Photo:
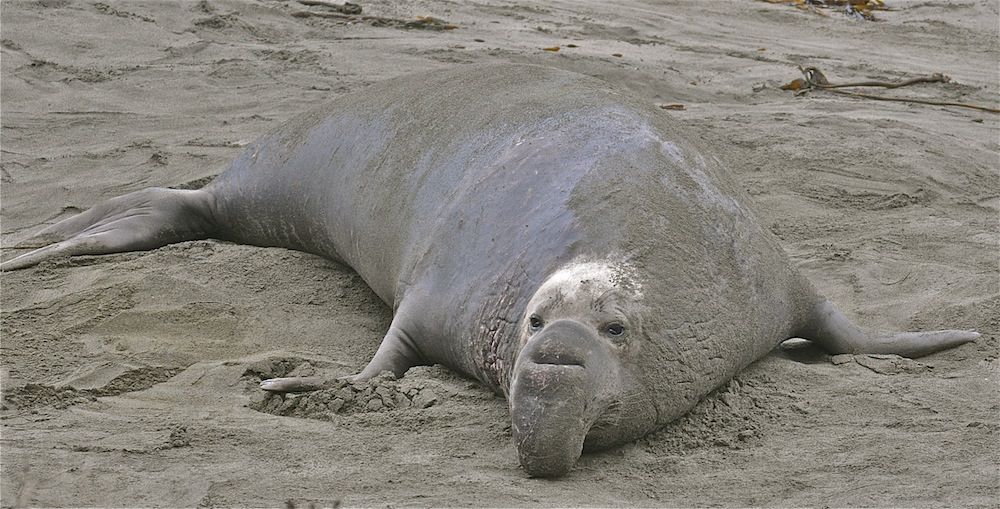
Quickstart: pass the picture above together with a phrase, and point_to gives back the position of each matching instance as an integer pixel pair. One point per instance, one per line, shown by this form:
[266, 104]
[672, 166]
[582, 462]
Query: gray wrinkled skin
[535, 229]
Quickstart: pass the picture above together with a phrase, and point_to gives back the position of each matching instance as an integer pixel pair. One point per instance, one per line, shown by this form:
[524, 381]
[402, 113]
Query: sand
[130, 379]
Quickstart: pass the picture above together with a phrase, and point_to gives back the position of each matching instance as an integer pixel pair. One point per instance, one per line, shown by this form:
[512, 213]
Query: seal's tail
[137, 221]
[828, 327]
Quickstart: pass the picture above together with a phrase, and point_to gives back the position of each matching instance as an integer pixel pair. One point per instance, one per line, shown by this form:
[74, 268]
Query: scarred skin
[535, 229]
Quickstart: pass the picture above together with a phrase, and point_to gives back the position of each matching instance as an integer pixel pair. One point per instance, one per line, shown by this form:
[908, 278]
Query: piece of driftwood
[817, 79]
[419, 23]
[814, 79]
[345, 8]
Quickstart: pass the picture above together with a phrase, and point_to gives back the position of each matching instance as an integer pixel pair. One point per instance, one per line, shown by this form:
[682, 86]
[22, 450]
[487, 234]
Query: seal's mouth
[556, 395]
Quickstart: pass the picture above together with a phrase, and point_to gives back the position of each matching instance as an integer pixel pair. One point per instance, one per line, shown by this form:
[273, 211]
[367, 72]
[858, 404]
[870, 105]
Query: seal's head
[575, 382]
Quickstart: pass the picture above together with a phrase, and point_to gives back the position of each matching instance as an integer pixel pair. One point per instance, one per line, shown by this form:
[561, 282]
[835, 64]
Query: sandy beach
[131, 379]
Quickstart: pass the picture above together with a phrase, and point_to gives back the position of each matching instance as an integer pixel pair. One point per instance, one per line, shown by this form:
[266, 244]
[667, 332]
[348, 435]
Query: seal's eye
[615, 329]
[535, 322]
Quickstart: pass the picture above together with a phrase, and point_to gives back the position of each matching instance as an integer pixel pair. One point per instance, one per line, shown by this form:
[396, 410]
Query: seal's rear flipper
[137, 221]
[833, 331]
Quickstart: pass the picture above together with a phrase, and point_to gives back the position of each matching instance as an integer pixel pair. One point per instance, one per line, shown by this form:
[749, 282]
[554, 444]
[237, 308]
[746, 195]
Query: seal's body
[532, 228]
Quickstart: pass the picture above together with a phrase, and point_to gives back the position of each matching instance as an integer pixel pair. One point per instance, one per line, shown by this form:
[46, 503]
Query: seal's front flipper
[138, 221]
[829, 328]
[397, 353]
[294, 384]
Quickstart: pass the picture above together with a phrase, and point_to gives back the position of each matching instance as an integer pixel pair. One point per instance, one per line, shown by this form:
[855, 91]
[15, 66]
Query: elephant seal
[535, 229]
